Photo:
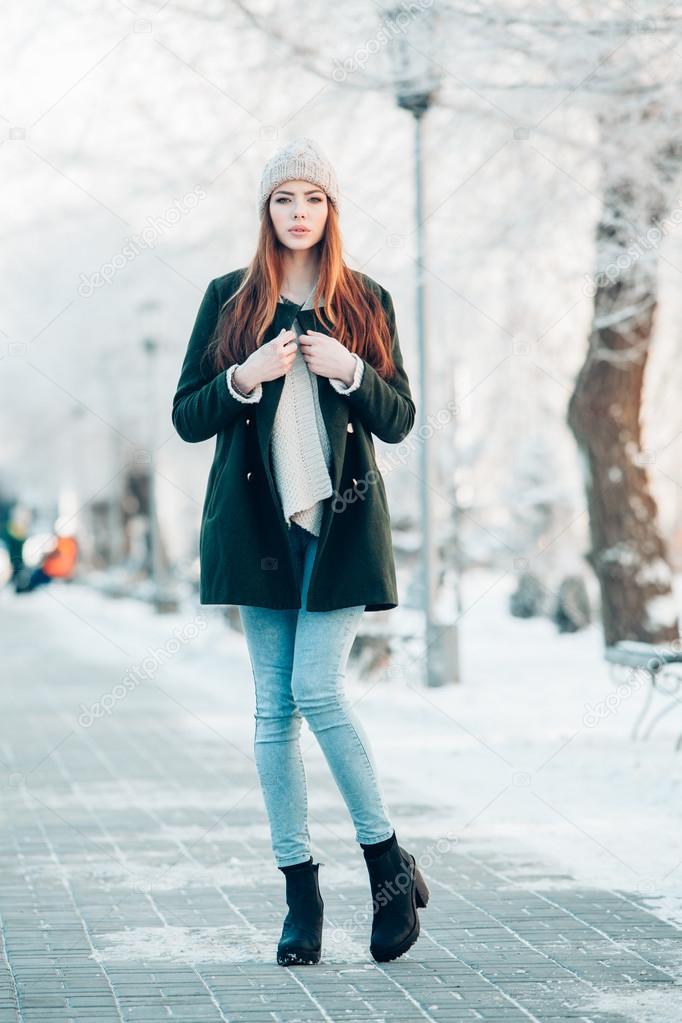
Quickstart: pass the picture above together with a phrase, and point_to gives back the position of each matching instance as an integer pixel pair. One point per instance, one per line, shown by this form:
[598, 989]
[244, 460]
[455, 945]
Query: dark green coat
[244, 548]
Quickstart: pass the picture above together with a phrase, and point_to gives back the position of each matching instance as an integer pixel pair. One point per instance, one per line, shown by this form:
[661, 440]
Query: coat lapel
[272, 390]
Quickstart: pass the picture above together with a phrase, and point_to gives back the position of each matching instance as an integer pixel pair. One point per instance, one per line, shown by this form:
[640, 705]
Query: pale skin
[295, 203]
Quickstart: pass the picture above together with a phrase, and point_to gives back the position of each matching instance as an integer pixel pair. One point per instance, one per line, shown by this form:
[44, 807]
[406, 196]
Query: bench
[662, 669]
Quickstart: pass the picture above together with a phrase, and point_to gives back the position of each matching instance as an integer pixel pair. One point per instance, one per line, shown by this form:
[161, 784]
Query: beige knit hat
[301, 158]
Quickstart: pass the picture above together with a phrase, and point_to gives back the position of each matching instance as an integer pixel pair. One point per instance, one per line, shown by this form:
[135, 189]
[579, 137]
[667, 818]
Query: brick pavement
[137, 883]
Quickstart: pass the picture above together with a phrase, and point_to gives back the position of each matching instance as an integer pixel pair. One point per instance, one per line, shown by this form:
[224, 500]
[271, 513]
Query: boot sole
[420, 898]
[294, 958]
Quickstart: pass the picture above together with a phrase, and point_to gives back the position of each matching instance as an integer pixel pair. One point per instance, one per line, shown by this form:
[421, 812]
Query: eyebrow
[285, 191]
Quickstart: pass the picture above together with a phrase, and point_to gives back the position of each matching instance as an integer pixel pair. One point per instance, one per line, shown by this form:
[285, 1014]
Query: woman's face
[302, 205]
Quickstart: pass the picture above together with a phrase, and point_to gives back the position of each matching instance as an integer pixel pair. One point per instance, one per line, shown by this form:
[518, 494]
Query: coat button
[249, 475]
[349, 428]
[355, 482]
[248, 421]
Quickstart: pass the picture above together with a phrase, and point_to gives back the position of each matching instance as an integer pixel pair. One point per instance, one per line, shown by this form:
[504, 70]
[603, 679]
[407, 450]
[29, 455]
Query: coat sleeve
[386, 408]
[203, 404]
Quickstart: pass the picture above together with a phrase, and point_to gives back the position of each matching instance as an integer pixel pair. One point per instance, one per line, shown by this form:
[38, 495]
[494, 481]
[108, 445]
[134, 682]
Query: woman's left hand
[327, 356]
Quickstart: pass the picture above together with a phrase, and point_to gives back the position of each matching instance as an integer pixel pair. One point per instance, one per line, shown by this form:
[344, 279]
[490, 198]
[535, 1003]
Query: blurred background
[549, 226]
[549, 223]
[512, 174]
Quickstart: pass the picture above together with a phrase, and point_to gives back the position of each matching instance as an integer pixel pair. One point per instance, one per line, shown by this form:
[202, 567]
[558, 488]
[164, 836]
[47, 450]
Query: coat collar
[333, 407]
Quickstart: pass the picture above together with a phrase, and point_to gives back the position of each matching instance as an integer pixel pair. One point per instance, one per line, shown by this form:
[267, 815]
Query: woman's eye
[284, 198]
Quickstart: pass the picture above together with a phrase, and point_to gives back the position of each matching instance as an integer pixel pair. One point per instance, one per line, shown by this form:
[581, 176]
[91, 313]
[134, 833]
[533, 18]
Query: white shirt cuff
[342, 388]
[256, 394]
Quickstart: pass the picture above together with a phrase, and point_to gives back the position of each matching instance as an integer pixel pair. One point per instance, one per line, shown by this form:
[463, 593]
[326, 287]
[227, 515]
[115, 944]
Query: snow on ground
[511, 759]
[235, 944]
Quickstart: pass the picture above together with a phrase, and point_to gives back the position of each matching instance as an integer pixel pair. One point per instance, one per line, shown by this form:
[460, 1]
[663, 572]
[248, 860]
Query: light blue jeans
[299, 659]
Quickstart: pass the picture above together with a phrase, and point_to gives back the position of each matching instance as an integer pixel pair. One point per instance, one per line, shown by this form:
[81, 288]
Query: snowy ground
[136, 814]
[511, 758]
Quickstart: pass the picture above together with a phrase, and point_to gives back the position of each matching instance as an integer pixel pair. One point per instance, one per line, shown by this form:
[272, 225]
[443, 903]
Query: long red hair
[352, 311]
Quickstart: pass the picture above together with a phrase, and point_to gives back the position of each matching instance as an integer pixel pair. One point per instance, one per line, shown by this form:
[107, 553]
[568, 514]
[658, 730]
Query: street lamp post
[163, 598]
[416, 80]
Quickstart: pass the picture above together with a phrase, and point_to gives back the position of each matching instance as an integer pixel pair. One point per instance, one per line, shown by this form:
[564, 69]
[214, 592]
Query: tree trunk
[627, 552]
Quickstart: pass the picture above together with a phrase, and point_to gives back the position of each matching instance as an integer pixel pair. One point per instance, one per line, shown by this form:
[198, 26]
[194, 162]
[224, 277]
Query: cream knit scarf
[300, 448]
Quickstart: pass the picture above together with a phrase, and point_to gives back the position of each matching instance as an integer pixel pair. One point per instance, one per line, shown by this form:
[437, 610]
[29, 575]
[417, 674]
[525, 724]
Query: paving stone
[121, 897]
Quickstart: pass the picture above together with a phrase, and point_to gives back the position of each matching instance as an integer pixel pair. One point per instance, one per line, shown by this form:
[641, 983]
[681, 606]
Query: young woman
[293, 363]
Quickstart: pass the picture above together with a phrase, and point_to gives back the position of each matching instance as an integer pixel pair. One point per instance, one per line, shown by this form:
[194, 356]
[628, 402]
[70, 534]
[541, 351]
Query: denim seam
[305, 788]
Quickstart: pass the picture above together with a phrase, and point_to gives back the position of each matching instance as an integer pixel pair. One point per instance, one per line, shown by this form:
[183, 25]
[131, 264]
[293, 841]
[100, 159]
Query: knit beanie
[302, 159]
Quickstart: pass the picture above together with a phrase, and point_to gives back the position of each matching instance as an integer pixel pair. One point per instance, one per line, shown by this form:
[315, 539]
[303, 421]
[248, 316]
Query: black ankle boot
[301, 938]
[398, 889]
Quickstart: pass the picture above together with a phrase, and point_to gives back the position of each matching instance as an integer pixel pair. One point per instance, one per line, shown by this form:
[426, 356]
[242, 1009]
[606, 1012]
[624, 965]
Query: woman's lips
[299, 230]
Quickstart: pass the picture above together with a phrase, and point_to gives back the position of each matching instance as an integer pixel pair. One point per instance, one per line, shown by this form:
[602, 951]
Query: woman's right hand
[271, 360]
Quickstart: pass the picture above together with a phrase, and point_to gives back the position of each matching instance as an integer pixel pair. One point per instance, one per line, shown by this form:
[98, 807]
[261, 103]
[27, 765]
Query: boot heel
[422, 893]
